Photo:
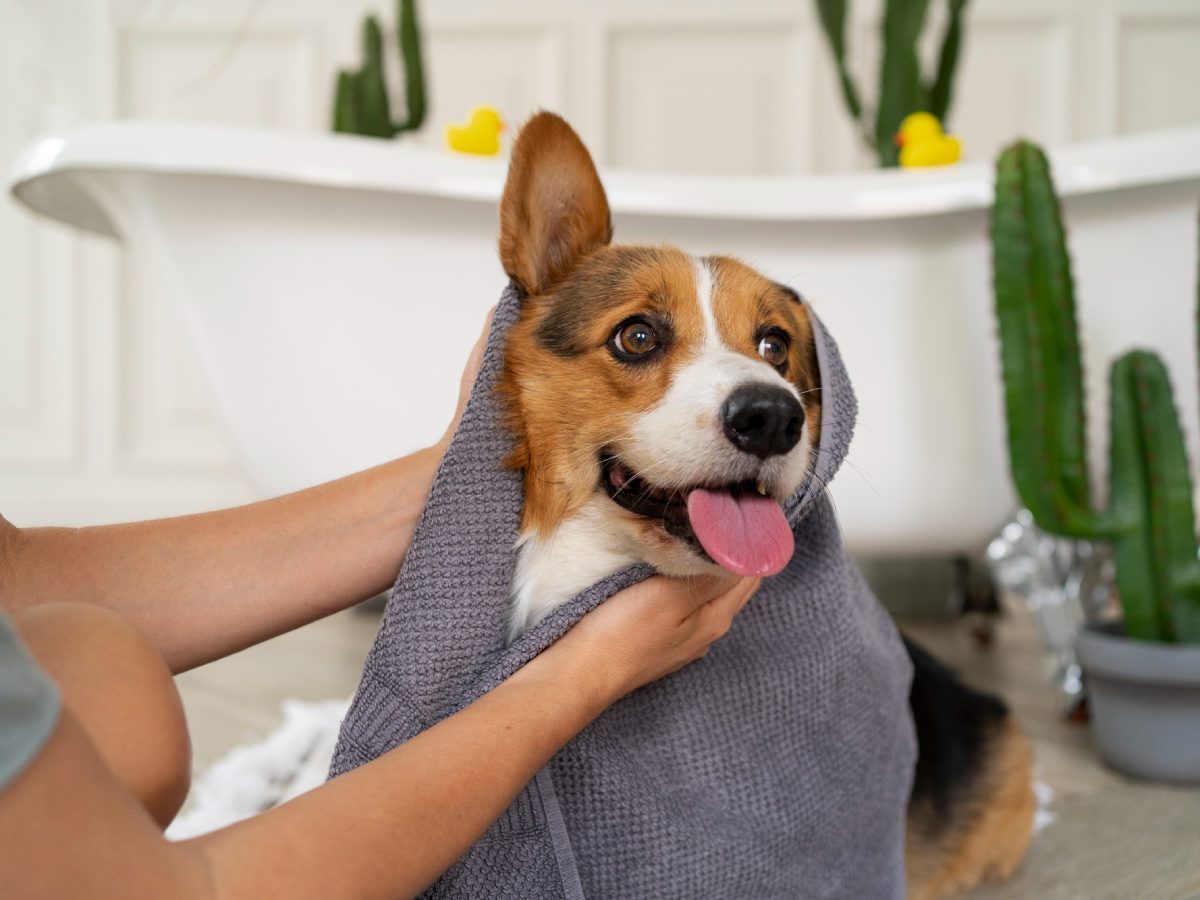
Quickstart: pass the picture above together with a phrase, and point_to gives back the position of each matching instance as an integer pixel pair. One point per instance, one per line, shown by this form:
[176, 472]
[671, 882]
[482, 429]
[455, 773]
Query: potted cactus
[361, 103]
[1144, 670]
[902, 88]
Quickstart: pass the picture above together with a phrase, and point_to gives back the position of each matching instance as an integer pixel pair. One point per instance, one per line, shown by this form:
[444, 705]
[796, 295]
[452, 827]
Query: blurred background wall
[103, 414]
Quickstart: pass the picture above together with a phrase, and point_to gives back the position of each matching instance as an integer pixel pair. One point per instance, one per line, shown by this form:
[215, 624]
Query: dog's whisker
[867, 481]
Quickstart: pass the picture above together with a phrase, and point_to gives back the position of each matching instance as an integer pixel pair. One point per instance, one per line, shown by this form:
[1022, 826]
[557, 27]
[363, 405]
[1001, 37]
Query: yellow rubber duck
[922, 142]
[481, 134]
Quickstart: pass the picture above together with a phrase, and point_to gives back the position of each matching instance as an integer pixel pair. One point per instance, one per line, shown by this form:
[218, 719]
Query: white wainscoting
[103, 413]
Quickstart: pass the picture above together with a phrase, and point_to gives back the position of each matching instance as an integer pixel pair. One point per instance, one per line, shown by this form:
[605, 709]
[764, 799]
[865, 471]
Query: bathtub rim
[45, 174]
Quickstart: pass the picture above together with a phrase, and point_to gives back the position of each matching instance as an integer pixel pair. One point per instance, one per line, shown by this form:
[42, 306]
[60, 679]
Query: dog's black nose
[762, 419]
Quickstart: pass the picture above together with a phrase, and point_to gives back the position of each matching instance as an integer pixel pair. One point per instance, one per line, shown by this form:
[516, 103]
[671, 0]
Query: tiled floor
[1113, 839]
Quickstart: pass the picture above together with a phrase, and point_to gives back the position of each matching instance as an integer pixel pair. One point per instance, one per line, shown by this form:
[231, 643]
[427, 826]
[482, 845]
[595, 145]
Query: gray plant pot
[1145, 703]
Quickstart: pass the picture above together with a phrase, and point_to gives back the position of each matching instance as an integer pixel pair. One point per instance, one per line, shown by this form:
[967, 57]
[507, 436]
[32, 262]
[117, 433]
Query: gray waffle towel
[779, 765]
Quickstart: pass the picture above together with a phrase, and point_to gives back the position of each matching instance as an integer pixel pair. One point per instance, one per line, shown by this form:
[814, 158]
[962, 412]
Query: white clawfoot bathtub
[333, 285]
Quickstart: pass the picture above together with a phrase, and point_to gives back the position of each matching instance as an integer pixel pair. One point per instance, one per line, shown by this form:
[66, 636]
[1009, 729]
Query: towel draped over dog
[778, 765]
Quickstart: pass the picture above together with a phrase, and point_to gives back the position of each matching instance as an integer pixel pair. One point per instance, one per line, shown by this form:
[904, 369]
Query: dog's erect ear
[553, 212]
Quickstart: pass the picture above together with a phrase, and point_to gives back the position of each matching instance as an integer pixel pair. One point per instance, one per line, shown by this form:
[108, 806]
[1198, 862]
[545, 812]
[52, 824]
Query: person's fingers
[693, 593]
[730, 603]
[743, 592]
[474, 360]
[722, 592]
[713, 619]
[470, 372]
[476, 356]
[657, 626]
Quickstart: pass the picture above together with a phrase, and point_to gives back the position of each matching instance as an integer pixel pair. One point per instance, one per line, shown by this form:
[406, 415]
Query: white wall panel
[513, 67]
[1014, 81]
[721, 97]
[839, 142]
[252, 79]
[1159, 72]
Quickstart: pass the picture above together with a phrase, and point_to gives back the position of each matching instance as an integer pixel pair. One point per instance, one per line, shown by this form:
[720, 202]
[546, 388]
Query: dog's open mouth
[735, 525]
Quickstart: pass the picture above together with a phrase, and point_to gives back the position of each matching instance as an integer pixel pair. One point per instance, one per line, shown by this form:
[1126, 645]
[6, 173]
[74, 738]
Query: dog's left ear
[553, 212]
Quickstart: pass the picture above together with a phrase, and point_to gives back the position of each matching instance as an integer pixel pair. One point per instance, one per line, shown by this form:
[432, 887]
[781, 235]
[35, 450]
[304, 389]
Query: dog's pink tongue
[747, 535]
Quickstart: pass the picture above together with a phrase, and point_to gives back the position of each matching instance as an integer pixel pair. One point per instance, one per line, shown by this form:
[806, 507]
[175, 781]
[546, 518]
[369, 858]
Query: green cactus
[345, 105]
[361, 103]
[902, 88]
[414, 68]
[1150, 521]
[373, 106]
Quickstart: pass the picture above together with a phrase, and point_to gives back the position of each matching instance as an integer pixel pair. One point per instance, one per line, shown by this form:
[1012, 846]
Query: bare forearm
[207, 585]
[385, 830]
[416, 809]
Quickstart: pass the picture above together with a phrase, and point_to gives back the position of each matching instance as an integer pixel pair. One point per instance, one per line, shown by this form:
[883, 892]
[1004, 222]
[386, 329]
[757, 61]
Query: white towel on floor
[255, 777]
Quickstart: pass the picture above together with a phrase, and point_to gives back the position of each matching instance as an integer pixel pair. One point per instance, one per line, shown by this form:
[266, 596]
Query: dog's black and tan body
[970, 816]
[642, 383]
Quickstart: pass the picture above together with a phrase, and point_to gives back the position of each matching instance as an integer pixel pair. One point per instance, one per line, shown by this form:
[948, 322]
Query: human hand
[470, 372]
[647, 631]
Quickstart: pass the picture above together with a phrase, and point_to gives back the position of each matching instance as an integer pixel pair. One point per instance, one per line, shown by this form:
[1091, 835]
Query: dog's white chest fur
[592, 544]
[582, 550]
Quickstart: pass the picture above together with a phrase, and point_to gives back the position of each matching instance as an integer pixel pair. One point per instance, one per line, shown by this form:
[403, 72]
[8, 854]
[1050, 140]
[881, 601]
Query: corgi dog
[663, 407]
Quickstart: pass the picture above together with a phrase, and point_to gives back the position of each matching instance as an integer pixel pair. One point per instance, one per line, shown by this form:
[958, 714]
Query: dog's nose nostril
[762, 419]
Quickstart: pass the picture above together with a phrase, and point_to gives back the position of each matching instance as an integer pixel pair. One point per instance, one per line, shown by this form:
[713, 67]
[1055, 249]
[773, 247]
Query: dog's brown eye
[773, 347]
[636, 338]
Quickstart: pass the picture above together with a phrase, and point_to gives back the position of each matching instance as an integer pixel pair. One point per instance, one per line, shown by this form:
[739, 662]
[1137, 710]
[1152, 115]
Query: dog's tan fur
[745, 298]
[557, 452]
[554, 210]
[987, 833]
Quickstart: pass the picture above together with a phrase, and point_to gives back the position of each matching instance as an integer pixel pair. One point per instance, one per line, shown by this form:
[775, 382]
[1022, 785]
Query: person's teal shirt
[29, 706]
